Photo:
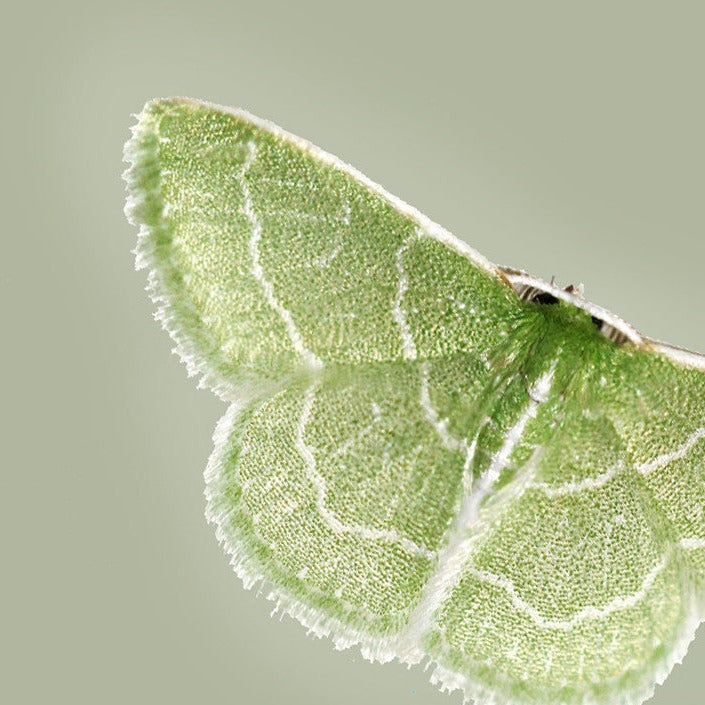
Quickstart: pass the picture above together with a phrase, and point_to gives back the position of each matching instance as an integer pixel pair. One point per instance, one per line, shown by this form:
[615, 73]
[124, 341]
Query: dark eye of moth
[545, 299]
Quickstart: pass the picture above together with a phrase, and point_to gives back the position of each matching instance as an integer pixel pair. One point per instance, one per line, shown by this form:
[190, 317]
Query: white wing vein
[256, 234]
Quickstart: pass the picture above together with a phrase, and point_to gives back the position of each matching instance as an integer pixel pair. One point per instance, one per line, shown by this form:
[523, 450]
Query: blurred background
[563, 138]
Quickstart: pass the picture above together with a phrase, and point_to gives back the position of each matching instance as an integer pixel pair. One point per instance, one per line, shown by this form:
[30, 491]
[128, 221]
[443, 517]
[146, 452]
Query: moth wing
[356, 339]
[378, 370]
[268, 257]
[587, 581]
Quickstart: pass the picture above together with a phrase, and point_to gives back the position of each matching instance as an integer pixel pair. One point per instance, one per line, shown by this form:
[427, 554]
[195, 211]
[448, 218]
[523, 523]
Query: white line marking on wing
[318, 482]
[410, 353]
[691, 544]
[677, 454]
[249, 211]
[601, 480]
[408, 345]
[441, 427]
[315, 217]
[431, 413]
[454, 556]
[577, 486]
[425, 224]
[589, 613]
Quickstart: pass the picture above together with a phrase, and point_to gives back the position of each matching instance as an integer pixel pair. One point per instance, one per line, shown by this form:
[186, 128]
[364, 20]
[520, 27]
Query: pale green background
[563, 138]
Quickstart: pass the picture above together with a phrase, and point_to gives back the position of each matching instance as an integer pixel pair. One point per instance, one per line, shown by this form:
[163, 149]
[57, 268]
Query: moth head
[543, 293]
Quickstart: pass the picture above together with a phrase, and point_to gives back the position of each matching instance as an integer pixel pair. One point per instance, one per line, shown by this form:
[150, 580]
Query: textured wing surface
[416, 461]
[338, 492]
[370, 351]
[586, 585]
[342, 491]
[268, 256]
[660, 412]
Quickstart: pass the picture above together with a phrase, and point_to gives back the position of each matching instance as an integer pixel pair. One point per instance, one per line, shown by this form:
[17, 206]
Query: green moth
[425, 455]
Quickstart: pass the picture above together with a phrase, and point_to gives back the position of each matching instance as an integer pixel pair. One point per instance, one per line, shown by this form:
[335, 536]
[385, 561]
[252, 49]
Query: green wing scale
[415, 460]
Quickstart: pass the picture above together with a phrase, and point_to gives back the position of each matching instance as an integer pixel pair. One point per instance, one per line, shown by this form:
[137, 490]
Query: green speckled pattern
[415, 461]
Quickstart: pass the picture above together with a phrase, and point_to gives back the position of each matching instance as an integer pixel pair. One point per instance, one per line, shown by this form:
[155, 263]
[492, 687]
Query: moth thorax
[548, 294]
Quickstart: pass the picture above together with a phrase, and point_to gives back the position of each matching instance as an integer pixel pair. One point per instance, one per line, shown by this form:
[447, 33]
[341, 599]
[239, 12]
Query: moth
[424, 455]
